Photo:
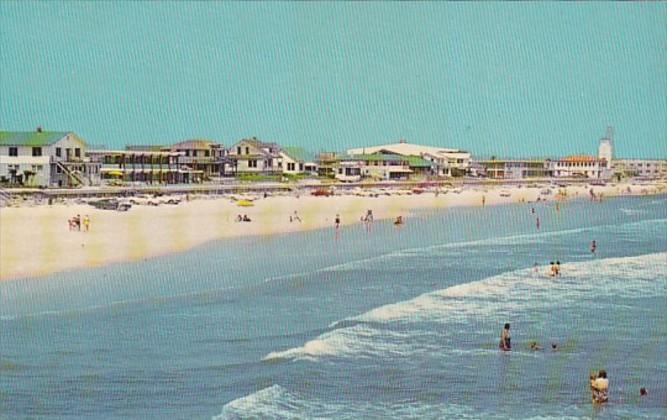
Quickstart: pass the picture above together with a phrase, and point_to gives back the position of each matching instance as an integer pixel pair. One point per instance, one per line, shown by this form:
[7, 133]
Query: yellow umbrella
[115, 173]
[244, 203]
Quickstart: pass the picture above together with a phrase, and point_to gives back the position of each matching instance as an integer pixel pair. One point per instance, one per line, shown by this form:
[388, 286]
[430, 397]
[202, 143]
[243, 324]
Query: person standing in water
[538, 223]
[505, 339]
[594, 247]
[600, 387]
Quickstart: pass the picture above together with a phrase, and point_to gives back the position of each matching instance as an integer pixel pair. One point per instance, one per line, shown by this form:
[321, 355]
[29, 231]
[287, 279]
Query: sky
[504, 79]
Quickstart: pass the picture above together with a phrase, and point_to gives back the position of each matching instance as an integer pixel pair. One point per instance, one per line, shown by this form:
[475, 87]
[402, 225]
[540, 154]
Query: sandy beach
[35, 241]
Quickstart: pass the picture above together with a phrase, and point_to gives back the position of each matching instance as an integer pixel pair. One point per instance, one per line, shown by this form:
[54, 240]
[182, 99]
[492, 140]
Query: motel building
[642, 168]
[513, 168]
[45, 159]
[145, 166]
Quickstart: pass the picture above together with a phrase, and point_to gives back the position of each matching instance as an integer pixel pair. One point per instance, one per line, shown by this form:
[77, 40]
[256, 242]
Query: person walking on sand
[86, 223]
[295, 217]
[337, 222]
[483, 200]
[505, 339]
[77, 219]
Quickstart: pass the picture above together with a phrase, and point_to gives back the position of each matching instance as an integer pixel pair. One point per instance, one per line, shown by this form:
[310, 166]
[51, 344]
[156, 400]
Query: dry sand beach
[35, 241]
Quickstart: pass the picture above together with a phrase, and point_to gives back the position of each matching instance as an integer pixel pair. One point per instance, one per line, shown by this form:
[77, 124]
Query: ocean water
[391, 323]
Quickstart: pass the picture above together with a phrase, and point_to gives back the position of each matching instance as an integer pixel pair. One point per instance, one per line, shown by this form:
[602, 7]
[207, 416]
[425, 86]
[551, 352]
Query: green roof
[298, 154]
[418, 162]
[30, 138]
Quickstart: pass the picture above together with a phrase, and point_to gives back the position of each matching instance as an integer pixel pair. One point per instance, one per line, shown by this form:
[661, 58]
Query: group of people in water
[76, 222]
[599, 383]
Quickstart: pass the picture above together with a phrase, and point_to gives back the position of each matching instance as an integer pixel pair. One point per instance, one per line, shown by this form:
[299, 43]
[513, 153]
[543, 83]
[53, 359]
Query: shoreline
[36, 241]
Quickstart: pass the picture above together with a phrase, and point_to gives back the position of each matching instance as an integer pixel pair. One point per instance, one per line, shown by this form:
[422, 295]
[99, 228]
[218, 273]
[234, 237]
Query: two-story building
[513, 168]
[444, 162]
[46, 159]
[579, 166]
[203, 155]
[255, 156]
[144, 166]
[643, 168]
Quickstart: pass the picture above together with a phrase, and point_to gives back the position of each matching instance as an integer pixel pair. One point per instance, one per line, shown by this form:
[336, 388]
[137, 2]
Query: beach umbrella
[244, 203]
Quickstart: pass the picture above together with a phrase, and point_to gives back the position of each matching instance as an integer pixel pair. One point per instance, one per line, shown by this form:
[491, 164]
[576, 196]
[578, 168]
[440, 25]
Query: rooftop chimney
[39, 129]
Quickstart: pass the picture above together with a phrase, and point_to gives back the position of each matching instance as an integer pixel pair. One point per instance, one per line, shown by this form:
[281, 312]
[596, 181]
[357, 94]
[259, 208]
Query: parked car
[321, 192]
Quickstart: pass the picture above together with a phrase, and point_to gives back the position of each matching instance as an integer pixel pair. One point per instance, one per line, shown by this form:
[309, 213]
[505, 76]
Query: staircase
[73, 175]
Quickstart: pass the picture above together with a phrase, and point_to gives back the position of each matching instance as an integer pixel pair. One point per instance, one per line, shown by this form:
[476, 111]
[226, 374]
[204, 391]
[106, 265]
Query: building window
[13, 151]
[59, 169]
[252, 163]
[37, 151]
[77, 152]
[301, 166]
[238, 150]
[247, 150]
[290, 166]
[58, 152]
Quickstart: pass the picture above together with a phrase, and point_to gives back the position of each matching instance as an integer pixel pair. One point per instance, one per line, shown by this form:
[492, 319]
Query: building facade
[579, 166]
[513, 168]
[46, 159]
[147, 166]
[255, 156]
[296, 160]
[643, 168]
[445, 162]
[203, 155]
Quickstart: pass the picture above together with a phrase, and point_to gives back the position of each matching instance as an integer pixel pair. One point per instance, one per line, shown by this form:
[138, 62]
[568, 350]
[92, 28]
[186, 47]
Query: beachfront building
[444, 162]
[296, 161]
[143, 166]
[512, 168]
[255, 157]
[348, 170]
[382, 167]
[203, 155]
[643, 168]
[45, 159]
[579, 166]
[327, 164]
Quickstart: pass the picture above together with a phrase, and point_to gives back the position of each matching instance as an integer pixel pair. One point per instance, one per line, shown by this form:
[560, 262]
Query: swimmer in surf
[505, 339]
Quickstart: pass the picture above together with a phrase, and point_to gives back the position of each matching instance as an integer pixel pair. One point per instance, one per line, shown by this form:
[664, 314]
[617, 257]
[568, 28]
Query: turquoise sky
[516, 79]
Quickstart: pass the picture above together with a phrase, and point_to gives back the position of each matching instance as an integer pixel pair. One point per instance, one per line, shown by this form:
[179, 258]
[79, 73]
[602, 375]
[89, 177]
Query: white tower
[606, 147]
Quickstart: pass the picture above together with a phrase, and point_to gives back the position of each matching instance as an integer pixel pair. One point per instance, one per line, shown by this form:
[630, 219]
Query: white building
[255, 156]
[296, 160]
[348, 170]
[45, 159]
[644, 168]
[578, 166]
[446, 162]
